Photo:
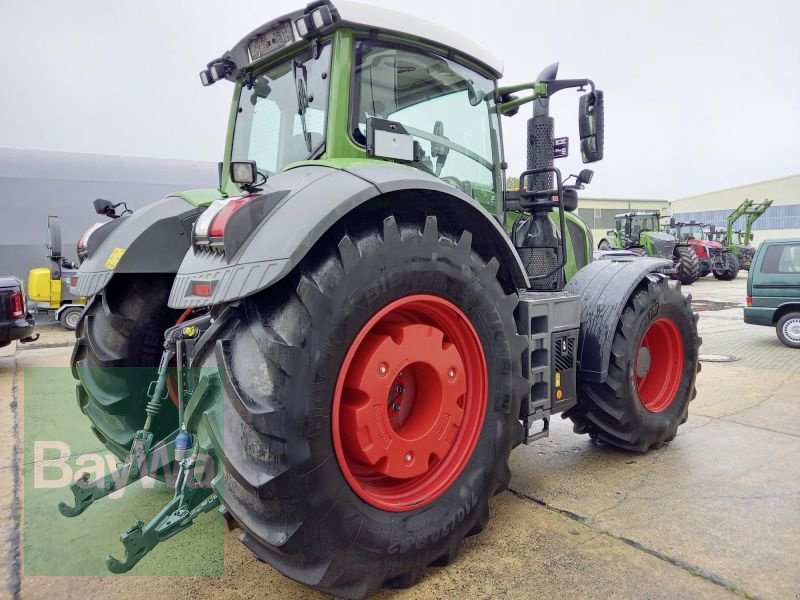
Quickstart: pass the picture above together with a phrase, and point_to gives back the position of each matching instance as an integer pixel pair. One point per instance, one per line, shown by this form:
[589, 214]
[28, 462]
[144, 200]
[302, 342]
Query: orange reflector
[201, 288]
[749, 301]
[559, 394]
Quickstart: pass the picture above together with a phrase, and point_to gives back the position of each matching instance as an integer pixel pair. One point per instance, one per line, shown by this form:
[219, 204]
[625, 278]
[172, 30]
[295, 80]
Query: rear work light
[16, 305]
[209, 229]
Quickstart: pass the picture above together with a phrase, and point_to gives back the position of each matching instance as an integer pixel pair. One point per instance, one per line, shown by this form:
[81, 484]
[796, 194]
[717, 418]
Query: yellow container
[39, 287]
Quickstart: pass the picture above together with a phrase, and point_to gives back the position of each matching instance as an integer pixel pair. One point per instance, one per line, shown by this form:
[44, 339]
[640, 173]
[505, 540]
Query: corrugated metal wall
[782, 219]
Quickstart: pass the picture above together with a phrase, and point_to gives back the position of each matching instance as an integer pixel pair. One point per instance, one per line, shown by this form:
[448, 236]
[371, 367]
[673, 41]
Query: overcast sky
[700, 95]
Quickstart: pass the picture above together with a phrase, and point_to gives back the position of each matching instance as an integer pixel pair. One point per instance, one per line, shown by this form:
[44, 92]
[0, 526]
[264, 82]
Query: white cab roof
[383, 18]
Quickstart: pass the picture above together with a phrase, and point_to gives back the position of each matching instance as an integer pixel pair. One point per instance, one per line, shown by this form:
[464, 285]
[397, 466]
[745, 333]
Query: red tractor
[713, 256]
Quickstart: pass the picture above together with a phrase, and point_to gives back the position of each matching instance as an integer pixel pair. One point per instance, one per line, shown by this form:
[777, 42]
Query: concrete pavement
[715, 514]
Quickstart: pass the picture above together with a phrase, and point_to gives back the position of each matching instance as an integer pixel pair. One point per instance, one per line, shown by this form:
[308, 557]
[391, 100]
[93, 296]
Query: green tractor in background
[738, 241]
[342, 342]
[640, 232]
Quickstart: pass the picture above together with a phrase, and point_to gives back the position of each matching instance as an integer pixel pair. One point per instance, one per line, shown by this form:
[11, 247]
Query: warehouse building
[782, 219]
[35, 184]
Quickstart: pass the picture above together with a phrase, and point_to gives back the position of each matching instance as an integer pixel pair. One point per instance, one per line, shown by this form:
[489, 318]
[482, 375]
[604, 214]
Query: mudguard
[295, 209]
[604, 287]
[154, 239]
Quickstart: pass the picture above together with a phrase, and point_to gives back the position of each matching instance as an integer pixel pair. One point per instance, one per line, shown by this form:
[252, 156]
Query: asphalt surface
[714, 514]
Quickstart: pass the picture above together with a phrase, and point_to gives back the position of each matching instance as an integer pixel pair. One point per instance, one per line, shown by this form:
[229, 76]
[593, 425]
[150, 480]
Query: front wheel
[788, 329]
[730, 269]
[371, 400]
[687, 265]
[651, 375]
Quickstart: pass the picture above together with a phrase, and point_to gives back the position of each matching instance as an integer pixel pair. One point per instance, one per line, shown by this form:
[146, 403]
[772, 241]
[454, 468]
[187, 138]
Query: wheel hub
[658, 364]
[422, 377]
[791, 329]
[410, 403]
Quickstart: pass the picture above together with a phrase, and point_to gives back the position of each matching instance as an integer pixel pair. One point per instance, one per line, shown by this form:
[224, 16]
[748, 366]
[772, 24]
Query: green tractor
[339, 347]
[640, 232]
[738, 241]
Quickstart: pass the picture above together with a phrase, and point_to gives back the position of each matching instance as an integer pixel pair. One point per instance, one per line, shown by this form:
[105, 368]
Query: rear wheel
[651, 375]
[371, 400]
[687, 264]
[788, 329]
[70, 317]
[731, 268]
[116, 356]
[604, 245]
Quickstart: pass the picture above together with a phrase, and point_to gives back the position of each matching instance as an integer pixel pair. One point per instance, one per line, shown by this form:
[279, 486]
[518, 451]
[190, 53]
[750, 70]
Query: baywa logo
[94, 505]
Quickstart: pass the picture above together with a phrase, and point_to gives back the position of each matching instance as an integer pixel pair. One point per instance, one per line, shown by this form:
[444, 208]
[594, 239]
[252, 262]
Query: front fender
[154, 239]
[604, 287]
[309, 200]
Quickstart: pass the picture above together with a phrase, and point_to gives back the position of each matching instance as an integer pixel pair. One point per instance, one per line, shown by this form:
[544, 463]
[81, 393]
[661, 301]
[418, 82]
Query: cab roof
[353, 14]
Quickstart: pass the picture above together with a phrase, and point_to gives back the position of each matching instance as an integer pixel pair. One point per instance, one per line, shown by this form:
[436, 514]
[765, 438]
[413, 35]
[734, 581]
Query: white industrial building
[782, 219]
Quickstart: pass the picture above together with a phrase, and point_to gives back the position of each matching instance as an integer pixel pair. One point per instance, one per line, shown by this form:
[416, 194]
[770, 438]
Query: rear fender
[302, 205]
[604, 287]
[154, 239]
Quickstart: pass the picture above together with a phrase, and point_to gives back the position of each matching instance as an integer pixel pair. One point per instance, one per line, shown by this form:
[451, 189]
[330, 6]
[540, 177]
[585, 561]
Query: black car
[16, 323]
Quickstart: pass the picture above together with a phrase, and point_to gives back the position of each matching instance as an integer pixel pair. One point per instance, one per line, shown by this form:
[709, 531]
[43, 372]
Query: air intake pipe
[540, 135]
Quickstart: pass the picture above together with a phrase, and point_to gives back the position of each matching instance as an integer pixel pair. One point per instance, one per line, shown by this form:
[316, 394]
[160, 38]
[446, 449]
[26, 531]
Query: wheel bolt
[409, 457]
[382, 369]
[396, 407]
[400, 389]
[451, 373]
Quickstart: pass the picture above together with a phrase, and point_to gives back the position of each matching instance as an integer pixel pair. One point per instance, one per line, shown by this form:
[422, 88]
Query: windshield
[282, 113]
[689, 231]
[444, 105]
[639, 223]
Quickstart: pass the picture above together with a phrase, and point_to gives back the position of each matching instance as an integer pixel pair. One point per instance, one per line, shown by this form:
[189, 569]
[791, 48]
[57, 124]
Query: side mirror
[585, 176]
[590, 126]
[439, 150]
[672, 222]
[752, 237]
[244, 172]
[105, 207]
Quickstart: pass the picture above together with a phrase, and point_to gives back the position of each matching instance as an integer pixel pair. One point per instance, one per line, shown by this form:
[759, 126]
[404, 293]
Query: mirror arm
[563, 84]
[539, 90]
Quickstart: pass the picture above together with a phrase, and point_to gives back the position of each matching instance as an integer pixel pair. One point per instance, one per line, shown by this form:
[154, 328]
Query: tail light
[16, 305]
[209, 229]
[83, 242]
[749, 301]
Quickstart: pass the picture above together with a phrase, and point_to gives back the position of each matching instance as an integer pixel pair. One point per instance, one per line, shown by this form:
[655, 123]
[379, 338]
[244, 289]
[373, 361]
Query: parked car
[16, 323]
[773, 289]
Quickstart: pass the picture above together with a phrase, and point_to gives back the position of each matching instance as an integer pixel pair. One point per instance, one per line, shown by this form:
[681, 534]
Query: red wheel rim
[410, 402]
[658, 366]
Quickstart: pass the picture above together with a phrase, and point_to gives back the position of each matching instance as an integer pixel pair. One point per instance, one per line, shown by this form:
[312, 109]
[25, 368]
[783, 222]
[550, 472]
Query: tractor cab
[345, 86]
[334, 83]
[684, 232]
[631, 225]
